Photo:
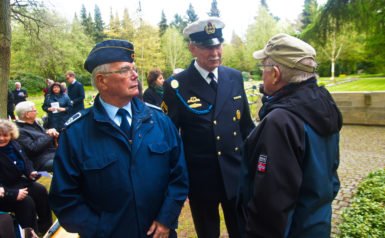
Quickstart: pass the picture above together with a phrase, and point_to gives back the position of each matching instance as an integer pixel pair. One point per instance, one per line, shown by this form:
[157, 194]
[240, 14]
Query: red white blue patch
[262, 160]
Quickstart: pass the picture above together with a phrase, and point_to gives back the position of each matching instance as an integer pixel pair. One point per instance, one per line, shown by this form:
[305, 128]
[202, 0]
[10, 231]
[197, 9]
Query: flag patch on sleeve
[262, 160]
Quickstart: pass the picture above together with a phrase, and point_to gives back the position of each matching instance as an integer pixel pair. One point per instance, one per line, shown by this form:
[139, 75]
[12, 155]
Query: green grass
[364, 84]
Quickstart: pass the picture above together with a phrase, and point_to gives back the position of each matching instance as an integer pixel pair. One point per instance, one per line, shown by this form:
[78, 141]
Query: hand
[23, 192]
[34, 175]
[2, 191]
[159, 230]
[53, 133]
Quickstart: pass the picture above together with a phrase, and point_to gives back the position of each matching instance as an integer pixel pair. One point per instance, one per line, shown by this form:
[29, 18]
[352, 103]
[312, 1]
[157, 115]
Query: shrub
[32, 83]
[366, 215]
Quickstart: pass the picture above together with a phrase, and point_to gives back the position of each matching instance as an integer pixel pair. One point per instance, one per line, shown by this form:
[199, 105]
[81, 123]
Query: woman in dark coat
[154, 92]
[22, 194]
[57, 104]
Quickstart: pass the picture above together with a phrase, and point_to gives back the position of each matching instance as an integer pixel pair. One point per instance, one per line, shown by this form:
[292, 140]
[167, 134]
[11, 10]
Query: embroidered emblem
[164, 107]
[174, 84]
[210, 28]
[73, 118]
[262, 161]
[193, 100]
[237, 97]
[238, 114]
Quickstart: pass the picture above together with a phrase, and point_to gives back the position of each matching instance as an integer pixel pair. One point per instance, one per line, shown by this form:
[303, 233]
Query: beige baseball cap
[287, 50]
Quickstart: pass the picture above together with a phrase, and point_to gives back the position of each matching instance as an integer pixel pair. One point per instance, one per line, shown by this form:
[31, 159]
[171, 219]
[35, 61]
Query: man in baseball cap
[292, 156]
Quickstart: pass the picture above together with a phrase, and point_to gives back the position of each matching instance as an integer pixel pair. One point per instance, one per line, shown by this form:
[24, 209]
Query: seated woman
[22, 194]
[38, 143]
[154, 92]
[57, 104]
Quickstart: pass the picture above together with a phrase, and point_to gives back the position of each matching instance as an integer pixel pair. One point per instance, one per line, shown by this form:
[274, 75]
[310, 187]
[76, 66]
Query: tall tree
[191, 15]
[214, 11]
[114, 30]
[128, 30]
[26, 12]
[264, 4]
[99, 25]
[174, 49]
[86, 21]
[162, 24]
[178, 23]
[309, 12]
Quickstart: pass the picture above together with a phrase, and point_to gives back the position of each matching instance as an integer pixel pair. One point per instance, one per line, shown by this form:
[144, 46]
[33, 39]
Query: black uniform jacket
[77, 95]
[213, 127]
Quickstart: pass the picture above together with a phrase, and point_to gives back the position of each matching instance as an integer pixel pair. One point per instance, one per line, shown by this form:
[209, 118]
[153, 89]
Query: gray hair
[98, 69]
[292, 75]
[8, 127]
[23, 107]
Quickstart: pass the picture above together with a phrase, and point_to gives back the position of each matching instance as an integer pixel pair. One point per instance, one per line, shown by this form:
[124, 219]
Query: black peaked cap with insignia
[109, 51]
[205, 32]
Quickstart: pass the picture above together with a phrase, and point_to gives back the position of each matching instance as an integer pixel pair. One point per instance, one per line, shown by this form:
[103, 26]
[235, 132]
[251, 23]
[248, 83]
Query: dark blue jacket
[107, 186]
[57, 120]
[213, 128]
[76, 93]
[290, 165]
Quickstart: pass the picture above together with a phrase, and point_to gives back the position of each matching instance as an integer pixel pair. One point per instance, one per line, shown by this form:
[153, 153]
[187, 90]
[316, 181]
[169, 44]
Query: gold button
[218, 137]
[234, 119]
[235, 133]
[215, 122]
[236, 149]
[219, 153]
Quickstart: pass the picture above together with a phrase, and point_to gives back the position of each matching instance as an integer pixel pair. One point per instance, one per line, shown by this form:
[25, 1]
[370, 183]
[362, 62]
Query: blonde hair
[8, 127]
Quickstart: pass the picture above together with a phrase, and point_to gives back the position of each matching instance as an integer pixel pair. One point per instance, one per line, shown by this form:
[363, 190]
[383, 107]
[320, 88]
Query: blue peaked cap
[109, 51]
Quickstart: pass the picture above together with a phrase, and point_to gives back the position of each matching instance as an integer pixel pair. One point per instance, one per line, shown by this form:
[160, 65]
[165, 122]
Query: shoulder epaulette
[75, 117]
[153, 106]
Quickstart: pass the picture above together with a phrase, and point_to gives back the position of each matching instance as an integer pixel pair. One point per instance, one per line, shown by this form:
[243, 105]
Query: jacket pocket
[159, 148]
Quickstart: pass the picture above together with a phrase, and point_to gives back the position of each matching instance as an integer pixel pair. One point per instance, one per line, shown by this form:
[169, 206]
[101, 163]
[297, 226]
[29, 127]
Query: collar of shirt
[112, 110]
[205, 73]
[73, 82]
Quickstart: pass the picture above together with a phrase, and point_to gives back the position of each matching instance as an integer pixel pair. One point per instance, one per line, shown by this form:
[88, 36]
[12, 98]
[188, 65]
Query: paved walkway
[362, 150]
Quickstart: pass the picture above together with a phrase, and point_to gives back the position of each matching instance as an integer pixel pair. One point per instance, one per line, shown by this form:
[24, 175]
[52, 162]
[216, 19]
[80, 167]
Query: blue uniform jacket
[290, 165]
[213, 128]
[107, 186]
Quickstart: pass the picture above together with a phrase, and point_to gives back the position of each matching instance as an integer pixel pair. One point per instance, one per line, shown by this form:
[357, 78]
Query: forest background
[38, 43]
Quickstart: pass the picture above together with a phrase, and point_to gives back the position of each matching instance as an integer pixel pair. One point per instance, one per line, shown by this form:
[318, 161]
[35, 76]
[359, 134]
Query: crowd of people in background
[191, 135]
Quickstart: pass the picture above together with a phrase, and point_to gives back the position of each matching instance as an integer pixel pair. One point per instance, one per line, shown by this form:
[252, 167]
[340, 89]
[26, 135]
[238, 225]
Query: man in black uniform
[75, 92]
[207, 102]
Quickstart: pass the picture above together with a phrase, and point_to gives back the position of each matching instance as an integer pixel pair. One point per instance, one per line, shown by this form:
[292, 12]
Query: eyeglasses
[125, 71]
[262, 66]
[33, 110]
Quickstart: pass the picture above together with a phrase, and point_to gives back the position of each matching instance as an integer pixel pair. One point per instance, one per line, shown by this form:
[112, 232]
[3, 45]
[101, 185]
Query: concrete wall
[363, 108]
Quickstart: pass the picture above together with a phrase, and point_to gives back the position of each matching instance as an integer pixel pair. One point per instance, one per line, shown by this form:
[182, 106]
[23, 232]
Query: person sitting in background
[22, 194]
[57, 104]
[38, 143]
[154, 92]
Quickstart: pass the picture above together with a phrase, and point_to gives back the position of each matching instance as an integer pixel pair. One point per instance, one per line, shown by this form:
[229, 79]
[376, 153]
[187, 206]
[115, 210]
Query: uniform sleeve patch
[262, 161]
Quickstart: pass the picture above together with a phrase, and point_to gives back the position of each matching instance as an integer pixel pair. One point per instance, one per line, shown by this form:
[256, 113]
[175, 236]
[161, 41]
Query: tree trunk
[5, 54]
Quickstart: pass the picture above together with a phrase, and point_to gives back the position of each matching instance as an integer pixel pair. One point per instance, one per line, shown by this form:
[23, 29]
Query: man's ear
[276, 75]
[100, 81]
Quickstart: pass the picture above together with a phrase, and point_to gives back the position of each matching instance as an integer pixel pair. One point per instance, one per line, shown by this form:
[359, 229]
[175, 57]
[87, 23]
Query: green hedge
[32, 83]
[366, 215]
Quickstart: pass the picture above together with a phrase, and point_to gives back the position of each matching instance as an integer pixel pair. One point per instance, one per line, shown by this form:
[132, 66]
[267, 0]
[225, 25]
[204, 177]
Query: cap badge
[174, 84]
[210, 28]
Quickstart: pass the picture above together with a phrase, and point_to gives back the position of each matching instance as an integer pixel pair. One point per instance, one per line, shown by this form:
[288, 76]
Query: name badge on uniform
[237, 97]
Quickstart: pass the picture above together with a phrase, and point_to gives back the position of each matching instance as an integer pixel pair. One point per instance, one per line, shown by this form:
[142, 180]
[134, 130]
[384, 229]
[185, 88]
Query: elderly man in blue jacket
[119, 170]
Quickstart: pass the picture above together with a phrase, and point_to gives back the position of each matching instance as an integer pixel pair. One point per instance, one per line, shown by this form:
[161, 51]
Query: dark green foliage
[214, 11]
[162, 24]
[32, 83]
[366, 215]
[178, 23]
[99, 25]
[191, 15]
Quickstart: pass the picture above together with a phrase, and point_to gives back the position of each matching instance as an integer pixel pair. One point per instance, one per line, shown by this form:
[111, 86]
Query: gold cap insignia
[193, 100]
[174, 84]
[210, 28]
[238, 114]
[164, 107]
